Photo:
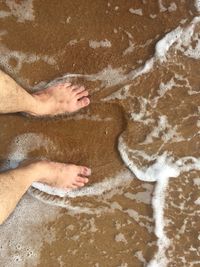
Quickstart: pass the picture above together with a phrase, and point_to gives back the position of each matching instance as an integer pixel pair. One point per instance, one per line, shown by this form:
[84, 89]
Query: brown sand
[117, 229]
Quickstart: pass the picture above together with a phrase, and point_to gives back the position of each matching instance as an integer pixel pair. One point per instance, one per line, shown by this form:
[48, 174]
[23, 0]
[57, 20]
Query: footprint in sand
[86, 138]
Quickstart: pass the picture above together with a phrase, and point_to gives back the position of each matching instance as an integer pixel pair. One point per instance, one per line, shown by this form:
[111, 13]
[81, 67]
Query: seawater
[154, 79]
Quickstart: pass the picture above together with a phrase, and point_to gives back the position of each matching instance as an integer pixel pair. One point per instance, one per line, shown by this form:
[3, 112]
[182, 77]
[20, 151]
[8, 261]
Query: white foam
[68, 20]
[194, 52]
[143, 114]
[130, 48]
[121, 94]
[97, 44]
[4, 14]
[21, 58]
[172, 7]
[197, 181]
[163, 46]
[139, 219]
[158, 203]
[93, 190]
[141, 197]
[23, 11]
[164, 166]
[197, 201]
[120, 238]
[163, 89]
[140, 257]
[164, 131]
[73, 42]
[161, 6]
[20, 244]
[138, 11]
[197, 5]
[124, 264]
[153, 16]
[22, 145]
[89, 117]
[189, 35]
[109, 76]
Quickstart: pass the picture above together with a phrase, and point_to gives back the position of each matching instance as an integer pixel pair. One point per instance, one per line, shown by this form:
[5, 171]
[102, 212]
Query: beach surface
[139, 61]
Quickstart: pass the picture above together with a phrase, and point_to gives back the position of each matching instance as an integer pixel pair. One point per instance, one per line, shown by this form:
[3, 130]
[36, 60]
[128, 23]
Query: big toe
[85, 101]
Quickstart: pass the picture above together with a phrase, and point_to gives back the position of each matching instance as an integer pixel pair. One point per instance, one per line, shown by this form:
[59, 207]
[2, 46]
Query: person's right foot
[60, 99]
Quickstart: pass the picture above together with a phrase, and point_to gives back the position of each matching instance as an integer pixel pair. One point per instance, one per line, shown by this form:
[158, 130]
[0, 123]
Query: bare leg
[14, 183]
[51, 101]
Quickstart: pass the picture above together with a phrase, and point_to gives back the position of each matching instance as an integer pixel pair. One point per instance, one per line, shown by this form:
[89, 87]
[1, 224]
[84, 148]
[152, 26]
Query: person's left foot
[60, 99]
[60, 175]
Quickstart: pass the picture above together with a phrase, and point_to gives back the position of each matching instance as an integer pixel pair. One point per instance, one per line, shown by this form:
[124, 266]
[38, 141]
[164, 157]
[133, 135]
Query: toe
[79, 89]
[83, 102]
[82, 94]
[84, 171]
[67, 84]
[73, 88]
[82, 179]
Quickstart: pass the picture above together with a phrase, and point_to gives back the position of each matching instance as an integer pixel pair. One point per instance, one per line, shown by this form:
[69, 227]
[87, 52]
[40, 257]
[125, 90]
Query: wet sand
[133, 114]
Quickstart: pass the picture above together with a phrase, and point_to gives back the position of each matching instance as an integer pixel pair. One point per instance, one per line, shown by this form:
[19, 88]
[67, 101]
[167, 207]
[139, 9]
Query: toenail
[87, 101]
[87, 171]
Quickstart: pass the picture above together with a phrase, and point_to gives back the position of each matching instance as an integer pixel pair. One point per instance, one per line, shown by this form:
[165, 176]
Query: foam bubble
[22, 145]
[138, 11]
[121, 94]
[120, 238]
[161, 6]
[197, 201]
[144, 197]
[24, 247]
[163, 166]
[130, 48]
[162, 47]
[20, 58]
[23, 11]
[140, 257]
[164, 131]
[197, 181]
[188, 36]
[197, 5]
[4, 14]
[97, 44]
[172, 7]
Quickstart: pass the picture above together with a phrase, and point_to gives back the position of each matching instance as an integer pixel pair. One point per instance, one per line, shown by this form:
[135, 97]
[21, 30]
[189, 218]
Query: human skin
[59, 99]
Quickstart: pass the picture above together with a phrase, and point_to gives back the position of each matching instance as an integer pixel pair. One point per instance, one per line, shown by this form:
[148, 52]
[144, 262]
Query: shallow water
[140, 62]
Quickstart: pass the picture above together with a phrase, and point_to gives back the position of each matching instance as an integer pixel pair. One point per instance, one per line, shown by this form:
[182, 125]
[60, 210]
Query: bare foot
[60, 99]
[66, 176]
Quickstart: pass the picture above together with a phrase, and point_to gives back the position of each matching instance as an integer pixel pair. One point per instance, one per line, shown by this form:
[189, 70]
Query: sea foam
[164, 166]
